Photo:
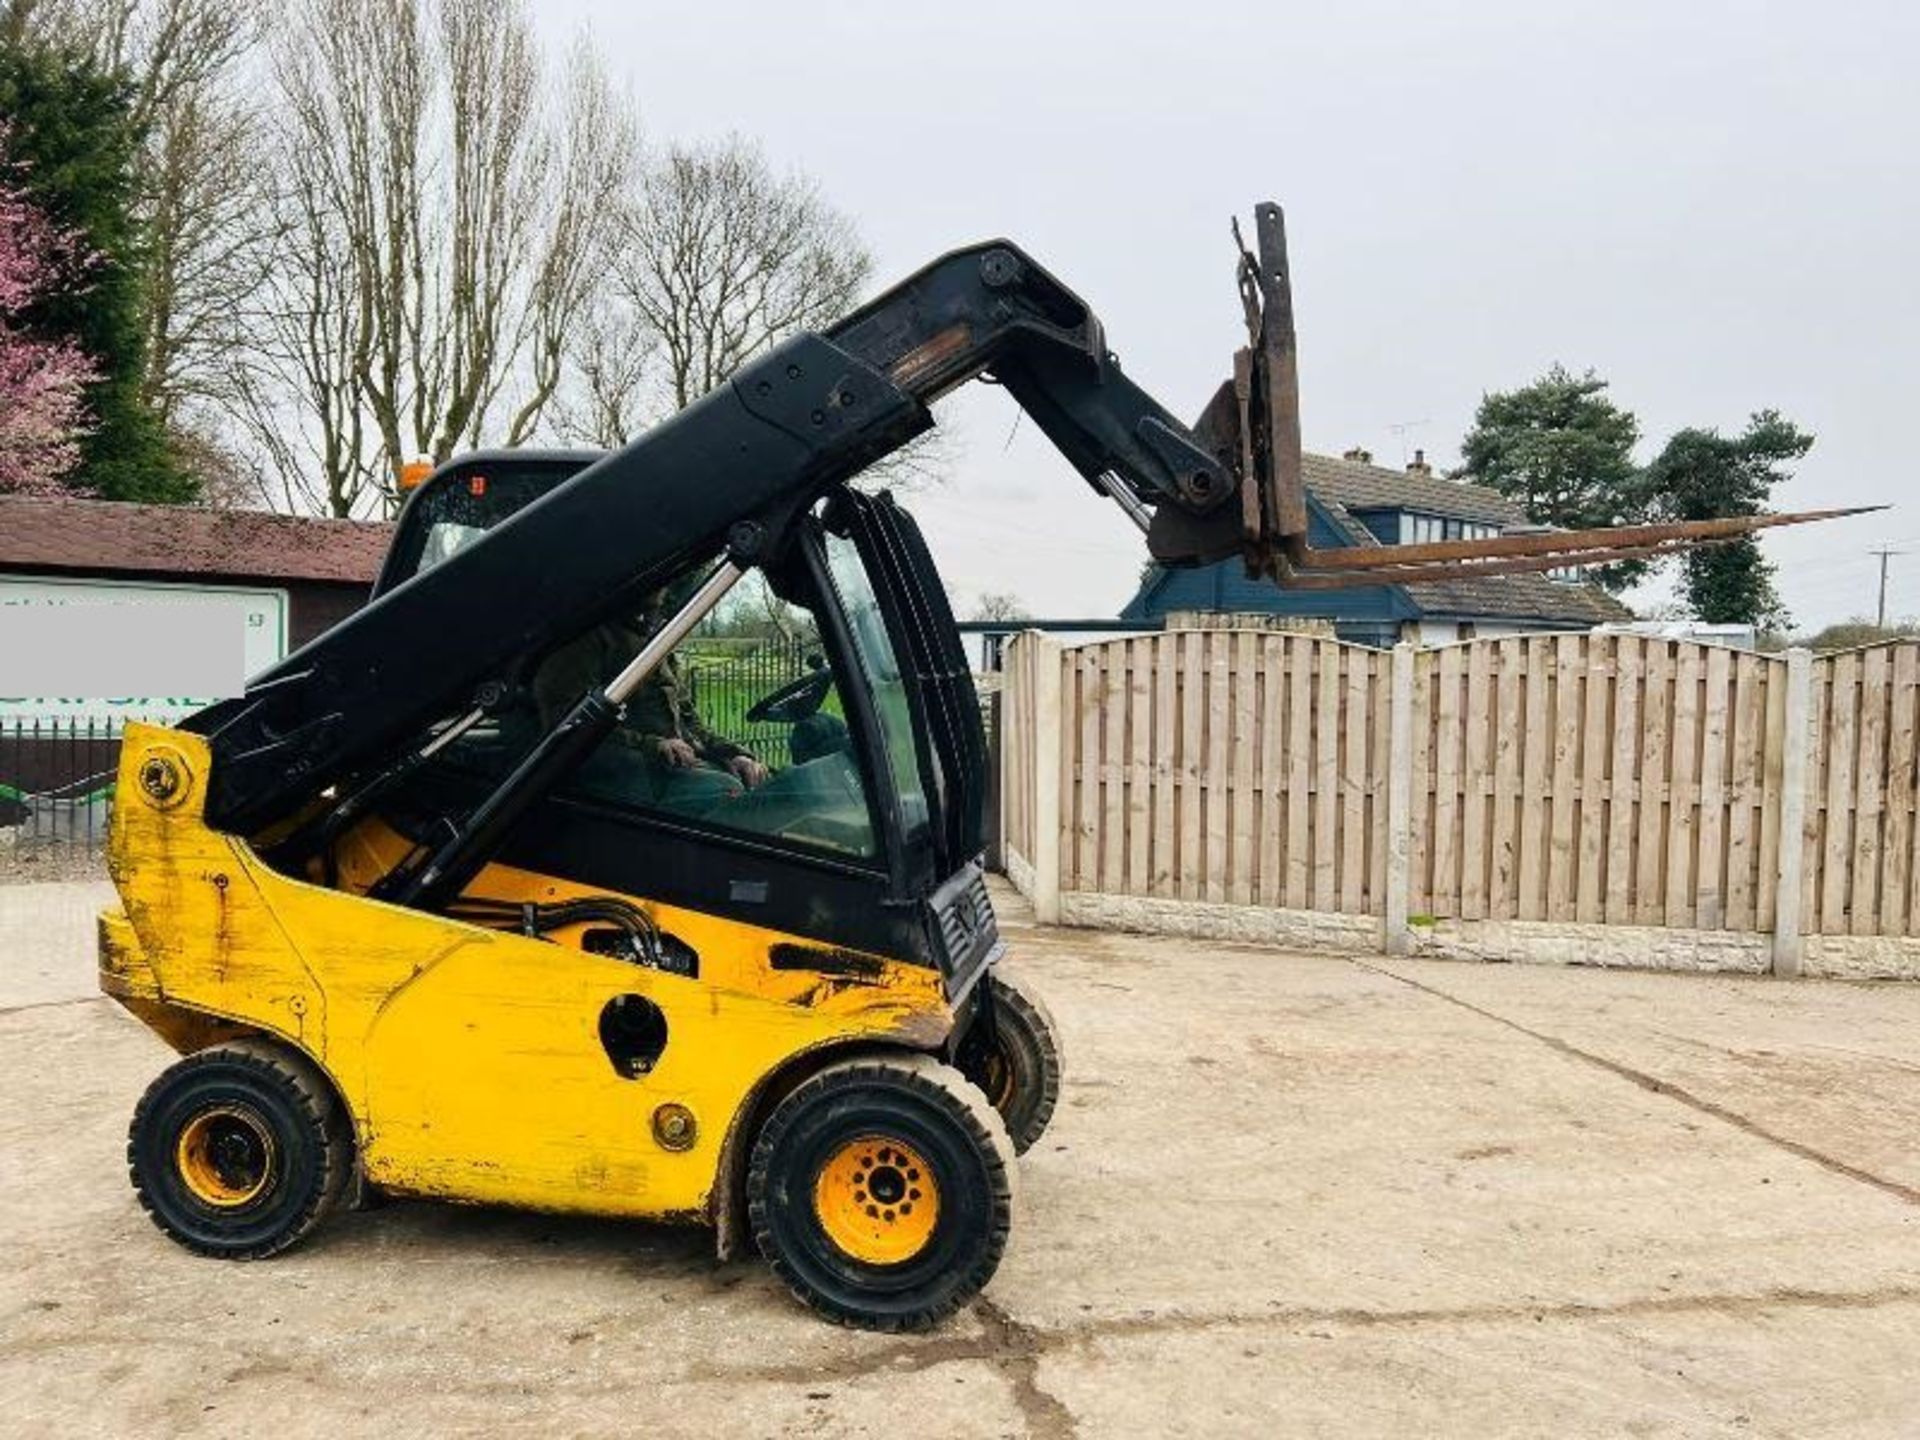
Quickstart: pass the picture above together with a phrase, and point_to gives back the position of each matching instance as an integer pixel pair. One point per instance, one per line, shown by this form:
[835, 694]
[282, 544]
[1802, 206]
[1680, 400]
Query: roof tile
[97, 537]
[1360, 486]
[1343, 486]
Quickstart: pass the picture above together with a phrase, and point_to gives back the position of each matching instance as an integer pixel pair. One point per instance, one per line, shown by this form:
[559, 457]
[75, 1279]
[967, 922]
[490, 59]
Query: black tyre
[881, 1191]
[238, 1151]
[1018, 1067]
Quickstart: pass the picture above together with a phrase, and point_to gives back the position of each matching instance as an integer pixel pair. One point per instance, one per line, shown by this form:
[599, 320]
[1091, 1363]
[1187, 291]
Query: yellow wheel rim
[877, 1200]
[225, 1156]
[996, 1077]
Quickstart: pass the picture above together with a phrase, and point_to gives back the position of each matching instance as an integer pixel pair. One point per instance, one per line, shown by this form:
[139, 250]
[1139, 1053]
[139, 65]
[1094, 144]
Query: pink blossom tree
[43, 404]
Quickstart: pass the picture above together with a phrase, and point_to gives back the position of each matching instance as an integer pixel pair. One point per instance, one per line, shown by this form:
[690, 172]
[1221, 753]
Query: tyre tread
[1010, 990]
[315, 1099]
[931, 1079]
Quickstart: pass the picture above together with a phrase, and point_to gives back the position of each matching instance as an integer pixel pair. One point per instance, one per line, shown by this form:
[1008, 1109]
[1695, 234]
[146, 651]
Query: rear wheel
[237, 1152]
[1018, 1066]
[881, 1191]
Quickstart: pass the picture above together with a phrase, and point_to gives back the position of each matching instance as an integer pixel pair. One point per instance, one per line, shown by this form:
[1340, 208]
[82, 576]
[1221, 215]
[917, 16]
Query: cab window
[880, 668]
[742, 728]
[459, 508]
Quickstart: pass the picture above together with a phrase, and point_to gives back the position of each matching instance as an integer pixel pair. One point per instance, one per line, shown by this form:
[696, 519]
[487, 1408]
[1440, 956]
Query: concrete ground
[1285, 1194]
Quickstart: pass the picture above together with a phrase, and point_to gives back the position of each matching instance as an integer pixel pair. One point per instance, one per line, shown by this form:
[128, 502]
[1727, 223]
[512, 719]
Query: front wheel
[237, 1152]
[1018, 1064]
[881, 1191]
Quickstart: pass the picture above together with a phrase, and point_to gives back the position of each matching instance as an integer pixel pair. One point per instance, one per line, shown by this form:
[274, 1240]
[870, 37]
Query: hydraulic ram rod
[445, 872]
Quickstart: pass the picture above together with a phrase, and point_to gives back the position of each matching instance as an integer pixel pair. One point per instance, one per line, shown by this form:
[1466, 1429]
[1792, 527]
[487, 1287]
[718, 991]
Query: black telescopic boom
[787, 429]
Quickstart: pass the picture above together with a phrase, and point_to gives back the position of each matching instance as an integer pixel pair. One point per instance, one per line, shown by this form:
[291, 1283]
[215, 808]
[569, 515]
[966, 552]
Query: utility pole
[1880, 615]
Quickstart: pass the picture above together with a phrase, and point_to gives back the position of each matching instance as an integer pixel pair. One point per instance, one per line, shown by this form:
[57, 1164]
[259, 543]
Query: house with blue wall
[1352, 501]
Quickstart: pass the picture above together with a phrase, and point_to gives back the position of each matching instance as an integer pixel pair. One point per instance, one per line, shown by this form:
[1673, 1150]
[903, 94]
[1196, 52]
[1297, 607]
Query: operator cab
[809, 758]
[465, 498]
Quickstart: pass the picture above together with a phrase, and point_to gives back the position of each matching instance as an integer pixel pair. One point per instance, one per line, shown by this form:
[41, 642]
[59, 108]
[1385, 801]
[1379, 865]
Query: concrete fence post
[1787, 941]
[1399, 876]
[1046, 780]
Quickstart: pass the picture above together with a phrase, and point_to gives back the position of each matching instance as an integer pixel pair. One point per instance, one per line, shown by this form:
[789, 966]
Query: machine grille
[964, 923]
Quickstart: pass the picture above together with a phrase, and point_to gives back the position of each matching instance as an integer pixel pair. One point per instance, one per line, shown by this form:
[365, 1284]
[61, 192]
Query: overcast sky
[1714, 205]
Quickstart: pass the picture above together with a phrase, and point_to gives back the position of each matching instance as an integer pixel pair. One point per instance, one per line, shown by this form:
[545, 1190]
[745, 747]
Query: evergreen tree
[1564, 452]
[70, 128]
[1701, 475]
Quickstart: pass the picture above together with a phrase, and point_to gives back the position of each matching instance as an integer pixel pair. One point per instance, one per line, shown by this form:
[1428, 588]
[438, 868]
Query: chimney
[1418, 464]
[1359, 455]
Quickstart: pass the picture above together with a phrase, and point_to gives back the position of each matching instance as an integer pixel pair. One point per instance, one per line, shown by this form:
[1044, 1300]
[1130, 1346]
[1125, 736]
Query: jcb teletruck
[464, 899]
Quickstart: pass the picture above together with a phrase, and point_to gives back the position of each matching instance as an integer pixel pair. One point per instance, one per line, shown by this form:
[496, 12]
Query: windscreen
[880, 668]
[456, 508]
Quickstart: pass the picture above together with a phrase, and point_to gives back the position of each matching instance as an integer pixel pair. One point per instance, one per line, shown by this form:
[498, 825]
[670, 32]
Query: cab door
[956, 911]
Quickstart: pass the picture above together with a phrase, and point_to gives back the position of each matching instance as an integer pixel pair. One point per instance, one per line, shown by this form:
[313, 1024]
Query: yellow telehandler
[468, 898]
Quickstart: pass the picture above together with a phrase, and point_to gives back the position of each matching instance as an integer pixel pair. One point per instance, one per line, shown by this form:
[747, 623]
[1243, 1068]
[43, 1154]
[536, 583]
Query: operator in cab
[661, 754]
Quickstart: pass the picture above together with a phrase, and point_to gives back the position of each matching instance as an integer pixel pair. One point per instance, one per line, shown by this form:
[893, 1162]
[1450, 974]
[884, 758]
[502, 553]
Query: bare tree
[294, 394]
[409, 240]
[447, 214]
[598, 155]
[210, 246]
[197, 186]
[611, 354]
[721, 257]
[995, 605]
[169, 50]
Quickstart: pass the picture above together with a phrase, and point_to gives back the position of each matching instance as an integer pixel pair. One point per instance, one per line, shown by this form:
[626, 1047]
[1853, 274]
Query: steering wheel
[794, 701]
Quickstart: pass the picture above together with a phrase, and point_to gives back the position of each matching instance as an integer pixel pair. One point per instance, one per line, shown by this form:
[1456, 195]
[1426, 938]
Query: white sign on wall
[99, 652]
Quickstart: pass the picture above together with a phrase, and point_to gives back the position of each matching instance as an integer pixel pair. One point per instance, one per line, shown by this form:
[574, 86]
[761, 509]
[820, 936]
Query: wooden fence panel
[1189, 746]
[1896, 858]
[1222, 767]
[1869, 790]
[1420, 845]
[1272, 794]
[1835, 791]
[1589, 778]
[1242, 778]
[1378, 776]
[1085, 701]
[1624, 791]
[1358, 717]
[1508, 726]
[1861, 829]
[1596, 779]
[1447, 740]
[1773, 675]
[1164, 776]
[1710, 854]
[1656, 723]
[1015, 739]
[1746, 703]
[1141, 770]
